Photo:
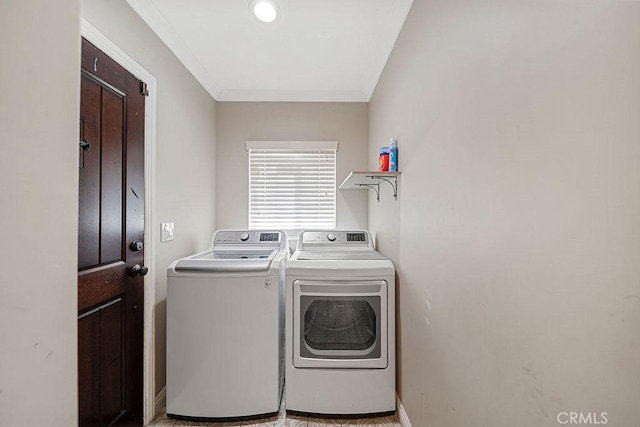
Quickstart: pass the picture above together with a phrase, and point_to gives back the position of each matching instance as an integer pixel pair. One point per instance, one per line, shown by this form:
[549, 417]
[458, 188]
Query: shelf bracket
[375, 187]
[360, 180]
[393, 184]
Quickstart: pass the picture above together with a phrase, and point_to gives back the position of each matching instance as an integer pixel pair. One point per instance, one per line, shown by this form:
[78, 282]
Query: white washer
[340, 326]
[225, 328]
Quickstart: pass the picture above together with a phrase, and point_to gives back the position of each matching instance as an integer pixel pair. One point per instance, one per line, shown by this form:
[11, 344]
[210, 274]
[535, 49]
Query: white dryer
[225, 328]
[340, 326]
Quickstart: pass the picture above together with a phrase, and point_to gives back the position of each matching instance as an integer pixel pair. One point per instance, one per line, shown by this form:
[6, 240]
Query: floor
[281, 420]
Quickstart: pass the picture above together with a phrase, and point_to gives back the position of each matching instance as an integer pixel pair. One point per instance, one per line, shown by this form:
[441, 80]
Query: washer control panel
[252, 237]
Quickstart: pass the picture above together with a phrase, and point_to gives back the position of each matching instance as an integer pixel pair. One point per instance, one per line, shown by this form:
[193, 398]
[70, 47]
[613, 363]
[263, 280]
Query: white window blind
[292, 185]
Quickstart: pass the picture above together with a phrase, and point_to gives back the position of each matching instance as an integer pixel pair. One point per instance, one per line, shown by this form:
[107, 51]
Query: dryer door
[340, 324]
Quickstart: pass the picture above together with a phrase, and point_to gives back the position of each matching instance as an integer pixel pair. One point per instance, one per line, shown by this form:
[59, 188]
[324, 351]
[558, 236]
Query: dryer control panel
[332, 238]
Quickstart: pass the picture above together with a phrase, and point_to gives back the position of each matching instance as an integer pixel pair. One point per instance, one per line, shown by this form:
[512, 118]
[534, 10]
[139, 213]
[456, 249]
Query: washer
[340, 326]
[225, 328]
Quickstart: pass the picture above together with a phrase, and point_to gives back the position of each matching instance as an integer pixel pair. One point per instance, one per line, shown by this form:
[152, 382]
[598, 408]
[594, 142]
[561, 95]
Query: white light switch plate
[166, 231]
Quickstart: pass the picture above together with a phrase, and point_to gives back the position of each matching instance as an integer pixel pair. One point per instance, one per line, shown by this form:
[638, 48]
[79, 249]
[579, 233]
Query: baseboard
[402, 414]
[161, 399]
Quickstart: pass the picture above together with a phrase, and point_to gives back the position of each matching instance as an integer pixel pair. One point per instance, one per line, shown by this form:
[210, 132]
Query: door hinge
[143, 89]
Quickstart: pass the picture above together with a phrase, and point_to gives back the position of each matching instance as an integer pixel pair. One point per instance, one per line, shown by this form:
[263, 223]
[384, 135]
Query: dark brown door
[110, 243]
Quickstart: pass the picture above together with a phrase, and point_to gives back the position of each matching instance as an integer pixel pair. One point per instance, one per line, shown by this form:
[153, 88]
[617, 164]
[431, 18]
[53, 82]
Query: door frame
[99, 40]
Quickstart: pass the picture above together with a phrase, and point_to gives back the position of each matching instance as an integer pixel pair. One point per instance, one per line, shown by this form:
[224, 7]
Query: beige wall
[517, 233]
[239, 122]
[185, 147]
[39, 110]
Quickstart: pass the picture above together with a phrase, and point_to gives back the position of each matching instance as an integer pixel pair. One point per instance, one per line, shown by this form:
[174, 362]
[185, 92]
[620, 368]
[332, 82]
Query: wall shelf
[360, 180]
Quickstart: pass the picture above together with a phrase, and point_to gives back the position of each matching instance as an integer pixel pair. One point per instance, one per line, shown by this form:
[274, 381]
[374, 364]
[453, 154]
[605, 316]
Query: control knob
[331, 237]
[244, 236]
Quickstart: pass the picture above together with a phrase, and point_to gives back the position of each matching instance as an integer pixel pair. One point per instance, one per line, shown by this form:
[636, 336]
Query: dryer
[340, 326]
[225, 328]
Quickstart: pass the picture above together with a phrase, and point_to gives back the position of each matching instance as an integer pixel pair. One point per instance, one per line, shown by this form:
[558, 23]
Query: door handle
[136, 245]
[139, 270]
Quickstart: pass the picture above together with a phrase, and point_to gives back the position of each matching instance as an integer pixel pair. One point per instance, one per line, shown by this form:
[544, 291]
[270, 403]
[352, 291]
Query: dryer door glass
[340, 327]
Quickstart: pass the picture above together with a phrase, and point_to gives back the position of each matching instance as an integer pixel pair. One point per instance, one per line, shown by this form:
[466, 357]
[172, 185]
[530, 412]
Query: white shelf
[361, 180]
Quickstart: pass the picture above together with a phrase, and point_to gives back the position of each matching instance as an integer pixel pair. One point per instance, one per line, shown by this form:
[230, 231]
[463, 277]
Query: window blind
[292, 186]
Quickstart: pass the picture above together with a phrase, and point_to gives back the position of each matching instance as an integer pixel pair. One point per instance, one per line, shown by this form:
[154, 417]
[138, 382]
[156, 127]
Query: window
[292, 185]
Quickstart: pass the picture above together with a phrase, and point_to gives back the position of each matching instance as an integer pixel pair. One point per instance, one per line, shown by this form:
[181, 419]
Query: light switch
[166, 233]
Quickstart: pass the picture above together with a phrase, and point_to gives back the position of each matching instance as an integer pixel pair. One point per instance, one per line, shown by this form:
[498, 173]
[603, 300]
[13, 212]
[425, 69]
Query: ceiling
[329, 51]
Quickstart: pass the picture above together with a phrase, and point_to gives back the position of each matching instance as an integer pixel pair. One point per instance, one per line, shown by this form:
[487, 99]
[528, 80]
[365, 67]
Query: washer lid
[228, 260]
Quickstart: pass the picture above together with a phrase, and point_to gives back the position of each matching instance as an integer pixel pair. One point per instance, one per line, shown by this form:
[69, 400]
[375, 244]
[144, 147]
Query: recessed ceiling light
[264, 10]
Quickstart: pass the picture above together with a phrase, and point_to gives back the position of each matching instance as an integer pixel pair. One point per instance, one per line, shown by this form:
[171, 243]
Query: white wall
[239, 122]
[516, 234]
[185, 150]
[39, 112]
